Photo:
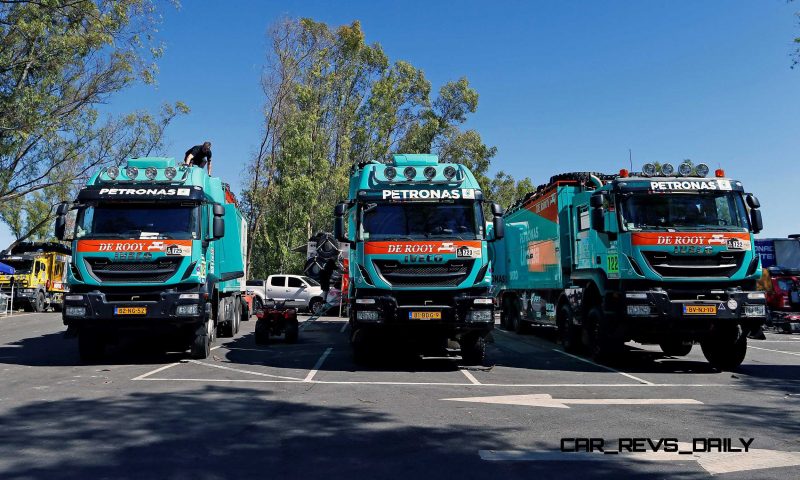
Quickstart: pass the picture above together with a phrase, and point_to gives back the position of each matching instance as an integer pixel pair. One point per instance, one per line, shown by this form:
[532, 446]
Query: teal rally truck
[418, 268]
[658, 257]
[158, 252]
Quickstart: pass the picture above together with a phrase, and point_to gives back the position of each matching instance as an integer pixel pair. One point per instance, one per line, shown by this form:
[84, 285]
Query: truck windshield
[417, 221]
[21, 267]
[654, 211]
[139, 221]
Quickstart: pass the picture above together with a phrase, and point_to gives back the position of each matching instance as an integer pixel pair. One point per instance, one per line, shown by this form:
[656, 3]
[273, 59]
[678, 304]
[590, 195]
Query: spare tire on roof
[313, 267]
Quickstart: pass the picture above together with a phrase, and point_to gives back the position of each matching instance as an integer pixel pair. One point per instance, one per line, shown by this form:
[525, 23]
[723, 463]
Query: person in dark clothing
[199, 156]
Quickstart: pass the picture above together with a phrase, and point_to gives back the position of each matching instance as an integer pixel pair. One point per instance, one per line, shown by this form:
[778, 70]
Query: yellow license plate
[425, 315]
[700, 309]
[130, 311]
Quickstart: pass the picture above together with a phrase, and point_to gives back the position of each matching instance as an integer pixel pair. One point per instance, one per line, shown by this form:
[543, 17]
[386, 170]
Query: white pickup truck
[297, 291]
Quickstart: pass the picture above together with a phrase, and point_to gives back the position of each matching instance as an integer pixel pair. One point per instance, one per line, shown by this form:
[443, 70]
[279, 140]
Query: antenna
[630, 158]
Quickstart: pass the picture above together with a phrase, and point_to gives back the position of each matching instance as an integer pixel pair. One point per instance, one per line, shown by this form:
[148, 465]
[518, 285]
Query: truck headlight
[638, 310]
[75, 311]
[26, 290]
[189, 296]
[368, 315]
[480, 316]
[755, 311]
[756, 296]
[193, 309]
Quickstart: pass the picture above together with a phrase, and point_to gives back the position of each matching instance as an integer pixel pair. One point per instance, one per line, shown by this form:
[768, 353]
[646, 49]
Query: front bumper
[458, 314]
[654, 312]
[98, 309]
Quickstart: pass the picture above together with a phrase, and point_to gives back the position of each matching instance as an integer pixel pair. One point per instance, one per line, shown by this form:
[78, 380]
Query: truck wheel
[292, 332]
[237, 315]
[675, 348]
[725, 349]
[203, 338]
[473, 349]
[315, 306]
[515, 321]
[39, 303]
[363, 351]
[90, 346]
[246, 310]
[569, 335]
[224, 326]
[603, 345]
[262, 332]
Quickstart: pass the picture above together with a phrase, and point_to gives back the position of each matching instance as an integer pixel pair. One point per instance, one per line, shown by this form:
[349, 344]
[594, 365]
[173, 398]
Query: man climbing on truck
[199, 156]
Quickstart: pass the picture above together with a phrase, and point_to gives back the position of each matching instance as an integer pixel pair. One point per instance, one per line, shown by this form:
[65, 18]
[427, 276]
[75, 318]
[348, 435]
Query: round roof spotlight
[701, 169]
[131, 172]
[150, 173]
[170, 173]
[429, 173]
[449, 172]
[390, 173]
[112, 172]
[667, 169]
[648, 170]
[410, 173]
[685, 169]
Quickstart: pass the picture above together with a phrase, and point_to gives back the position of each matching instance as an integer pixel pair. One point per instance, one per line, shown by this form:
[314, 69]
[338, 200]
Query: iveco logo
[693, 250]
[424, 259]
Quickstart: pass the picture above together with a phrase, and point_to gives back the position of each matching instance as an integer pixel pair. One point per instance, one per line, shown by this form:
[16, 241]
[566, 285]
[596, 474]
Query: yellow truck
[40, 278]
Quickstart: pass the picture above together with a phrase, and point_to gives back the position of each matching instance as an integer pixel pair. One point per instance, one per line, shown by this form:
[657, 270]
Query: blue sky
[563, 86]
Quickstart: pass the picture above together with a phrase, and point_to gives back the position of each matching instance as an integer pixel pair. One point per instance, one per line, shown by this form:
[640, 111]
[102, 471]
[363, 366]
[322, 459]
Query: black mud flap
[757, 334]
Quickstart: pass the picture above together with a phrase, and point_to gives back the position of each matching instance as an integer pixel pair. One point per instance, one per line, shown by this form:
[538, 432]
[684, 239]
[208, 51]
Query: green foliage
[332, 100]
[59, 60]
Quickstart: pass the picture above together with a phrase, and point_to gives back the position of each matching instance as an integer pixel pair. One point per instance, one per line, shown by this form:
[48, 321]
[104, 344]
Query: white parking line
[470, 377]
[776, 351]
[319, 363]
[161, 369]
[603, 366]
[223, 367]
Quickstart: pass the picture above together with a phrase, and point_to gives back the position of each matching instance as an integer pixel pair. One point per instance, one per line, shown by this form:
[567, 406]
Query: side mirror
[219, 227]
[341, 209]
[756, 223]
[597, 219]
[338, 229]
[497, 210]
[219, 210]
[597, 200]
[752, 201]
[61, 226]
[62, 208]
[499, 227]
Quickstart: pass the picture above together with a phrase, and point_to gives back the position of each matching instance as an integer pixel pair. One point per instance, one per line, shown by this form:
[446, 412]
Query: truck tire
[473, 349]
[603, 345]
[569, 335]
[39, 304]
[203, 338]
[262, 332]
[225, 326]
[237, 314]
[363, 351]
[515, 321]
[58, 307]
[90, 346]
[675, 348]
[292, 331]
[245, 317]
[725, 349]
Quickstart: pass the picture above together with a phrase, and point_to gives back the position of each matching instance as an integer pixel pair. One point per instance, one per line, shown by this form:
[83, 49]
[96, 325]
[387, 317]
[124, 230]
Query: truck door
[276, 288]
[296, 291]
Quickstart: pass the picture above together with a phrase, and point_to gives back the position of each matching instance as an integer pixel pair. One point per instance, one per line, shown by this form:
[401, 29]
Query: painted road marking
[317, 366]
[545, 400]
[161, 369]
[459, 384]
[603, 366]
[470, 377]
[712, 462]
[776, 351]
[344, 327]
[223, 367]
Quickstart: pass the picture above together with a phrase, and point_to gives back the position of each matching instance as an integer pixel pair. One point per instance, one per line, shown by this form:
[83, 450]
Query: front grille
[139, 272]
[449, 274]
[721, 265]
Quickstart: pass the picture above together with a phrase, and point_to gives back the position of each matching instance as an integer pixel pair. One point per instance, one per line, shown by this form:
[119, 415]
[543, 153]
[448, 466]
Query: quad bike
[276, 319]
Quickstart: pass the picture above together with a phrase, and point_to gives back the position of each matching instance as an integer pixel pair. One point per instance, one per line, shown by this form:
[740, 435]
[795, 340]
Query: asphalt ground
[307, 411]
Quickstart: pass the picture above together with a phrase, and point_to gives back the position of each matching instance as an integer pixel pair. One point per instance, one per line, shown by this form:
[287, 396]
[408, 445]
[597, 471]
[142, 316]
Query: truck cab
[418, 264]
[39, 281]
